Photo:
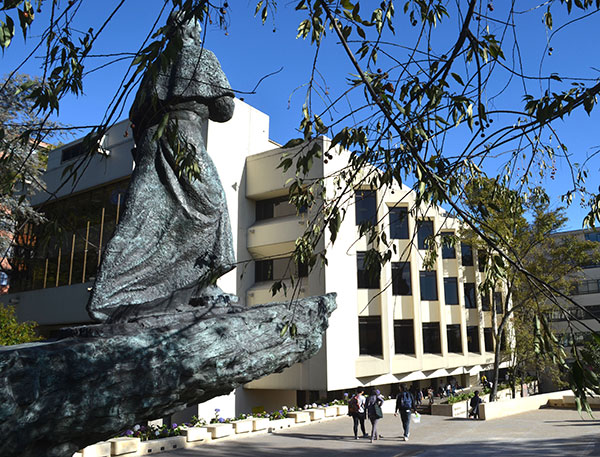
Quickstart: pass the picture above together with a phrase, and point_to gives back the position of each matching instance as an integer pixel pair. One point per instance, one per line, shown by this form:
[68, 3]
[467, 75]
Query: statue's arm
[221, 108]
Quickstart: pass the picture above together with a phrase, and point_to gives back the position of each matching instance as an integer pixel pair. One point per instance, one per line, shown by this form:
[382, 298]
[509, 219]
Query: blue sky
[249, 50]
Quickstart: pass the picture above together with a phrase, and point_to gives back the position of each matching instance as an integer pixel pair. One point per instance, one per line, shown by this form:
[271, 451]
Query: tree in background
[13, 332]
[23, 157]
[526, 231]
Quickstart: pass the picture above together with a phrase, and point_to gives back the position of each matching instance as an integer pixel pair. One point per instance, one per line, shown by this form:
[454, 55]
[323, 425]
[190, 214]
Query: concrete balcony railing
[260, 293]
[275, 237]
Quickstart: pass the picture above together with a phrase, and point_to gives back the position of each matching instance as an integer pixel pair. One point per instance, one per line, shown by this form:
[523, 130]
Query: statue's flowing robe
[174, 237]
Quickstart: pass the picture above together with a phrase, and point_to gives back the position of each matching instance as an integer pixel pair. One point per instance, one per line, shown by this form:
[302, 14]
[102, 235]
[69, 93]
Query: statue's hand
[221, 109]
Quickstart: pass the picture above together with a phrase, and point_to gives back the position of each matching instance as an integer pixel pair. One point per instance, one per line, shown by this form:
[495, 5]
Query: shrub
[13, 332]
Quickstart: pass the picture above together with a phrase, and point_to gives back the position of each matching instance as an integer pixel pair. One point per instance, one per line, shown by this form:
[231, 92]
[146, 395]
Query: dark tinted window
[448, 251]
[71, 152]
[488, 338]
[481, 260]
[263, 270]
[366, 279]
[399, 223]
[498, 302]
[454, 339]
[592, 236]
[401, 278]
[404, 336]
[469, 289]
[451, 291]
[424, 231]
[466, 252]
[366, 207]
[275, 207]
[473, 338]
[485, 302]
[369, 335]
[431, 338]
[428, 285]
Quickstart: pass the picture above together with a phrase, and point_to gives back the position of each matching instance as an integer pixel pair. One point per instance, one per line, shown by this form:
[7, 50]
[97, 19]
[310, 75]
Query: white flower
[285, 408]
[157, 433]
[314, 405]
[136, 427]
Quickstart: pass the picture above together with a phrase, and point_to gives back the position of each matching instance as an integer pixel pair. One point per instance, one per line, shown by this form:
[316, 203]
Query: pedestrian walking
[356, 409]
[374, 412]
[404, 404]
[474, 404]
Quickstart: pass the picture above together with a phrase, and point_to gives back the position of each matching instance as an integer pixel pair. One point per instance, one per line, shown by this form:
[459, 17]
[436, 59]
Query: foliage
[153, 432]
[427, 108]
[23, 154]
[524, 231]
[13, 332]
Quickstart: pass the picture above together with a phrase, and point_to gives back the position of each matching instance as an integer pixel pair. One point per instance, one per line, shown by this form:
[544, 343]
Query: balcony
[275, 237]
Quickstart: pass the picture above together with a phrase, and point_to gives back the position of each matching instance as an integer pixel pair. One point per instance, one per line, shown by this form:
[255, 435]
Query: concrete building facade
[408, 324]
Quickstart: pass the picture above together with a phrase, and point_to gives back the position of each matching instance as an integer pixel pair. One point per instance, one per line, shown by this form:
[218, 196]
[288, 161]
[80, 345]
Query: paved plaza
[546, 432]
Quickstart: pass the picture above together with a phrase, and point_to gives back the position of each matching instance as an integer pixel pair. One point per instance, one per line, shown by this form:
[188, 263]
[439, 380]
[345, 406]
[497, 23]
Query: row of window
[401, 285]
[277, 269]
[370, 337]
[590, 286]
[590, 312]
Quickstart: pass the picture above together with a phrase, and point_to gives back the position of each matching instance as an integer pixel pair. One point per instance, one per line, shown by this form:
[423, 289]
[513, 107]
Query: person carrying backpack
[356, 409]
[404, 404]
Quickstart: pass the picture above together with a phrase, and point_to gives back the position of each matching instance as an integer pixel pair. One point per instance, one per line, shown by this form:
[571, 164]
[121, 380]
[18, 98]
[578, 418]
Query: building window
[70, 152]
[366, 207]
[448, 250]
[590, 286]
[401, 278]
[498, 302]
[488, 338]
[404, 336]
[485, 302]
[398, 223]
[473, 338]
[367, 278]
[592, 236]
[369, 335]
[481, 260]
[263, 270]
[277, 269]
[469, 288]
[424, 232]
[428, 285]
[274, 208]
[3, 279]
[454, 338]
[466, 252]
[431, 338]
[451, 291]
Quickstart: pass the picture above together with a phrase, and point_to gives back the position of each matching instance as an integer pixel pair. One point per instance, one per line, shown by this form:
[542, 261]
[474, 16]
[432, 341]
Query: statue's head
[188, 29]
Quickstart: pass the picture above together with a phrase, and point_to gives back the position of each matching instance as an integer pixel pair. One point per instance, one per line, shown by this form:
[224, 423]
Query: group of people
[361, 407]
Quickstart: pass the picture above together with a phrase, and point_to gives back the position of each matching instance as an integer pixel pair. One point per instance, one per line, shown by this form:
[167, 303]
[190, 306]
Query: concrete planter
[161, 445]
[342, 410]
[329, 411]
[280, 424]
[219, 430]
[316, 414]
[124, 445]
[243, 426]
[260, 423]
[196, 434]
[459, 409]
[101, 449]
[299, 416]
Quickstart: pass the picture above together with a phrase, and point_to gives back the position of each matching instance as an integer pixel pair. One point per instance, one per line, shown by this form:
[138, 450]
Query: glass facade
[424, 232]
[367, 279]
[431, 338]
[466, 252]
[451, 291]
[428, 285]
[366, 207]
[67, 249]
[454, 338]
[399, 223]
[401, 278]
[404, 336]
[369, 336]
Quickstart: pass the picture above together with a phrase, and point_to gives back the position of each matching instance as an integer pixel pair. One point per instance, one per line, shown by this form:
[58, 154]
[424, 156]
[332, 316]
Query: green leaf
[457, 78]
[161, 127]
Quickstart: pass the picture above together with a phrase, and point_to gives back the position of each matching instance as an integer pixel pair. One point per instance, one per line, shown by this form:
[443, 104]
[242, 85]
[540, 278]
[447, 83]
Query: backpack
[353, 405]
[406, 400]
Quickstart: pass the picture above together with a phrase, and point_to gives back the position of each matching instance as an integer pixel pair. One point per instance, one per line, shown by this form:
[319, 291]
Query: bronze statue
[174, 239]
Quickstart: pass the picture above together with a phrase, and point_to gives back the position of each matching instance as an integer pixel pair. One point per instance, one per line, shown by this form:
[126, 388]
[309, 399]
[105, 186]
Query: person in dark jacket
[356, 409]
[374, 403]
[474, 404]
[405, 403]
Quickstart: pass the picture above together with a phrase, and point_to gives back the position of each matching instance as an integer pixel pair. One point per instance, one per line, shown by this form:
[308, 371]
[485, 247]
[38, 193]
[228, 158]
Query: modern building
[586, 293]
[406, 324]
